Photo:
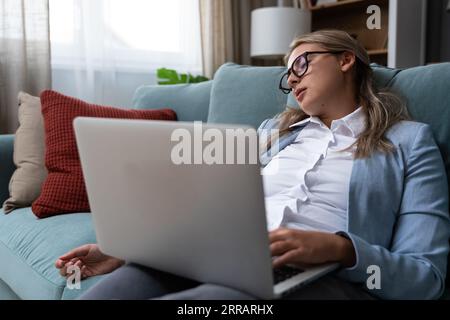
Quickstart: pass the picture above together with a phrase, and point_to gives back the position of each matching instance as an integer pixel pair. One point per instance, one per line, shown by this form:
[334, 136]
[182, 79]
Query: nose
[292, 80]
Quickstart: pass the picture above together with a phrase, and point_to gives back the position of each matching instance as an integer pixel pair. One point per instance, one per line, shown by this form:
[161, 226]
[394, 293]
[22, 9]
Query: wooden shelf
[336, 4]
[375, 52]
[351, 16]
[401, 40]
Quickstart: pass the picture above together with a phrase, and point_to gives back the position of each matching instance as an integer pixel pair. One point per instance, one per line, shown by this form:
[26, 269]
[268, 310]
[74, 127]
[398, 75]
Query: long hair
[383, 109]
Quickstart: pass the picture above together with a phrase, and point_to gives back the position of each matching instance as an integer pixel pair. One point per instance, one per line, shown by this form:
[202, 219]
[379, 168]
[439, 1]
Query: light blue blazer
[398, 216]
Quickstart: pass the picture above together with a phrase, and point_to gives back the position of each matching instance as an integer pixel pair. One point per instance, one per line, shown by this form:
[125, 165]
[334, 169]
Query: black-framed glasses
[299, 68]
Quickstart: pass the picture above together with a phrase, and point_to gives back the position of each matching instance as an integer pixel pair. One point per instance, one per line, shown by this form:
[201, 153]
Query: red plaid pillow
[64, 190]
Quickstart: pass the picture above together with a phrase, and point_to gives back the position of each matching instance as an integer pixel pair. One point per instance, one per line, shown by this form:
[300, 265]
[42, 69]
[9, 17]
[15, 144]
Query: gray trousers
[134, 282]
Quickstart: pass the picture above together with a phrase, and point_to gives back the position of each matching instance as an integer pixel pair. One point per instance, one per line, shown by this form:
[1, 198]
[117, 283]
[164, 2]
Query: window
[127, 34]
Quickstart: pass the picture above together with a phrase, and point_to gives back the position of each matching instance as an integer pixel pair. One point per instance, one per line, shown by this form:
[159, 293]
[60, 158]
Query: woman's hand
[303, 248]
[89, 259]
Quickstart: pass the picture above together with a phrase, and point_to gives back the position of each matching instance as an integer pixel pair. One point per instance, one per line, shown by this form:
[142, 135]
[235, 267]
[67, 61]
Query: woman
[355, 183]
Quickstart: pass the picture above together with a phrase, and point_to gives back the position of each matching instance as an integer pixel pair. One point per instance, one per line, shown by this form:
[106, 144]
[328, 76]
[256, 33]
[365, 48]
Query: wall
[445, 36]
[438, 32]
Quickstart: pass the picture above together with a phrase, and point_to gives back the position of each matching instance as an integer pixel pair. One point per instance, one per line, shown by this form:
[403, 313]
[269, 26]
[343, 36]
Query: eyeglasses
[299, 68]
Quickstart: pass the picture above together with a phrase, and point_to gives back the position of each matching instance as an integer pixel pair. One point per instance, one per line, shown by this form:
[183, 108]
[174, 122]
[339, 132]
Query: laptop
[198, 220]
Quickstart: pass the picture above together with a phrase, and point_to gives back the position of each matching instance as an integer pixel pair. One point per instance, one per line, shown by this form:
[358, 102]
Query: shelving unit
[351, 16]
[375, 52]
[336, 4]
[401, 41]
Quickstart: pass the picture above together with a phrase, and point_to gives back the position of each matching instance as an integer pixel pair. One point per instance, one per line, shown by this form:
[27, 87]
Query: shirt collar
[354, 121]
[300, 123]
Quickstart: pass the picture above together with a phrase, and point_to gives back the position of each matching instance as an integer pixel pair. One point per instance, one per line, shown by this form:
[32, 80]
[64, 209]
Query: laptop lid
[201, 221]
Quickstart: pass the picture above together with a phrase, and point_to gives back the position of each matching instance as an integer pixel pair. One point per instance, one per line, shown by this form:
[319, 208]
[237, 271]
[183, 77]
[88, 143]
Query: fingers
[283, 234]
[79, 264]
[77, 252]
[283, 246]
[63, 270]
[59, 263]
[86, 272]
[68, 268]
[70, 258]
[290, 257]
[278, 248]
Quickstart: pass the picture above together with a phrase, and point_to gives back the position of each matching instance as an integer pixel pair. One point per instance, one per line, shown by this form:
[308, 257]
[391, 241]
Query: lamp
[274, 28]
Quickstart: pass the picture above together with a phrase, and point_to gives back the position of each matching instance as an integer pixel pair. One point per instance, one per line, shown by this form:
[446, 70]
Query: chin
[307, 108]
[311, 108]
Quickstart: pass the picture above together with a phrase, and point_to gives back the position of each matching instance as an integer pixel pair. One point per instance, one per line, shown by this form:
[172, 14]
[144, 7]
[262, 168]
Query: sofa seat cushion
[30, 246]
[6, 292]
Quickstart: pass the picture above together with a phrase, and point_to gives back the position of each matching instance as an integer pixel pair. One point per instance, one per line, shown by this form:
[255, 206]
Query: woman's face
[318, 89]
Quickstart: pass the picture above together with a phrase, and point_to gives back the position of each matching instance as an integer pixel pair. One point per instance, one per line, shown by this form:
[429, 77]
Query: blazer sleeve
[415, 264]
[263, 126]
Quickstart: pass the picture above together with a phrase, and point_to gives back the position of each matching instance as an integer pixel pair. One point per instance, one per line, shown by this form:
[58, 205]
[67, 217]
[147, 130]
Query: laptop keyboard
[284, 273]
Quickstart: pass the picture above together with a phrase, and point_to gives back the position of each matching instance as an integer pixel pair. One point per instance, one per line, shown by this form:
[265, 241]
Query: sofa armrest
[7, 166]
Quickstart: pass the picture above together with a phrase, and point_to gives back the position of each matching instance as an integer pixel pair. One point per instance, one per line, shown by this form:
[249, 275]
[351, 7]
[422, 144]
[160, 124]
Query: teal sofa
[238, 94]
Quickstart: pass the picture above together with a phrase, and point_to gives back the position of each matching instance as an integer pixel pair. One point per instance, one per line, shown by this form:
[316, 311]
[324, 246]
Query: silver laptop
[201, 221]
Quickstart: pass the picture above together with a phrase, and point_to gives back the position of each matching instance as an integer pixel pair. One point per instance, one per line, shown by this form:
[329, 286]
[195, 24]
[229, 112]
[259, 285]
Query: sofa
[237, 94]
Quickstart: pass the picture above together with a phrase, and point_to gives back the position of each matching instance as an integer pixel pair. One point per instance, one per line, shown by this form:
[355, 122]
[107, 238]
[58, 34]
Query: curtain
[24, 55]
[103, 50]
[225, 31]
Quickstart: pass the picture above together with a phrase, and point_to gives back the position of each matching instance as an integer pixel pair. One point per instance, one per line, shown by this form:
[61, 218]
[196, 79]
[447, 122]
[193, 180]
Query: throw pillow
[27, 179]
[64, 190]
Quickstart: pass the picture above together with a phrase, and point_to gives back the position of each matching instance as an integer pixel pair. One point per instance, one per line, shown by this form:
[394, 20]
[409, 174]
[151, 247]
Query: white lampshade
[274, 28]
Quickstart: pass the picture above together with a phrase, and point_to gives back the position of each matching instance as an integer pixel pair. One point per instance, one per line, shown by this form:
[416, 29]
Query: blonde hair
[383, 109]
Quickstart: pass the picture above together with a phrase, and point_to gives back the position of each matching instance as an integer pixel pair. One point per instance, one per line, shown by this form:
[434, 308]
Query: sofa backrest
[248, 95]
[189, 101]
[426, 91]
[238, 95]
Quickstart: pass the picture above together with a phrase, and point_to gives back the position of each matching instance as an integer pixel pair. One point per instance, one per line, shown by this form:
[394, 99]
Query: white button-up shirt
[310, 188]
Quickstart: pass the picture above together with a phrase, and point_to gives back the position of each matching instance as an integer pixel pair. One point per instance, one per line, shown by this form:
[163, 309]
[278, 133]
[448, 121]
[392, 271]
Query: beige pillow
[29, 150]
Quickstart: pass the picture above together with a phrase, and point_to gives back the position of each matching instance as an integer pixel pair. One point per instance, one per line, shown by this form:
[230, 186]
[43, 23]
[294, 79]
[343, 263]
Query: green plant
[169, 76]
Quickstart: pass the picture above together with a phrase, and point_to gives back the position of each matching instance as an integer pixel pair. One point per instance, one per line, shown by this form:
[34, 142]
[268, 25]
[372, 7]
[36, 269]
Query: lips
[299, 93]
